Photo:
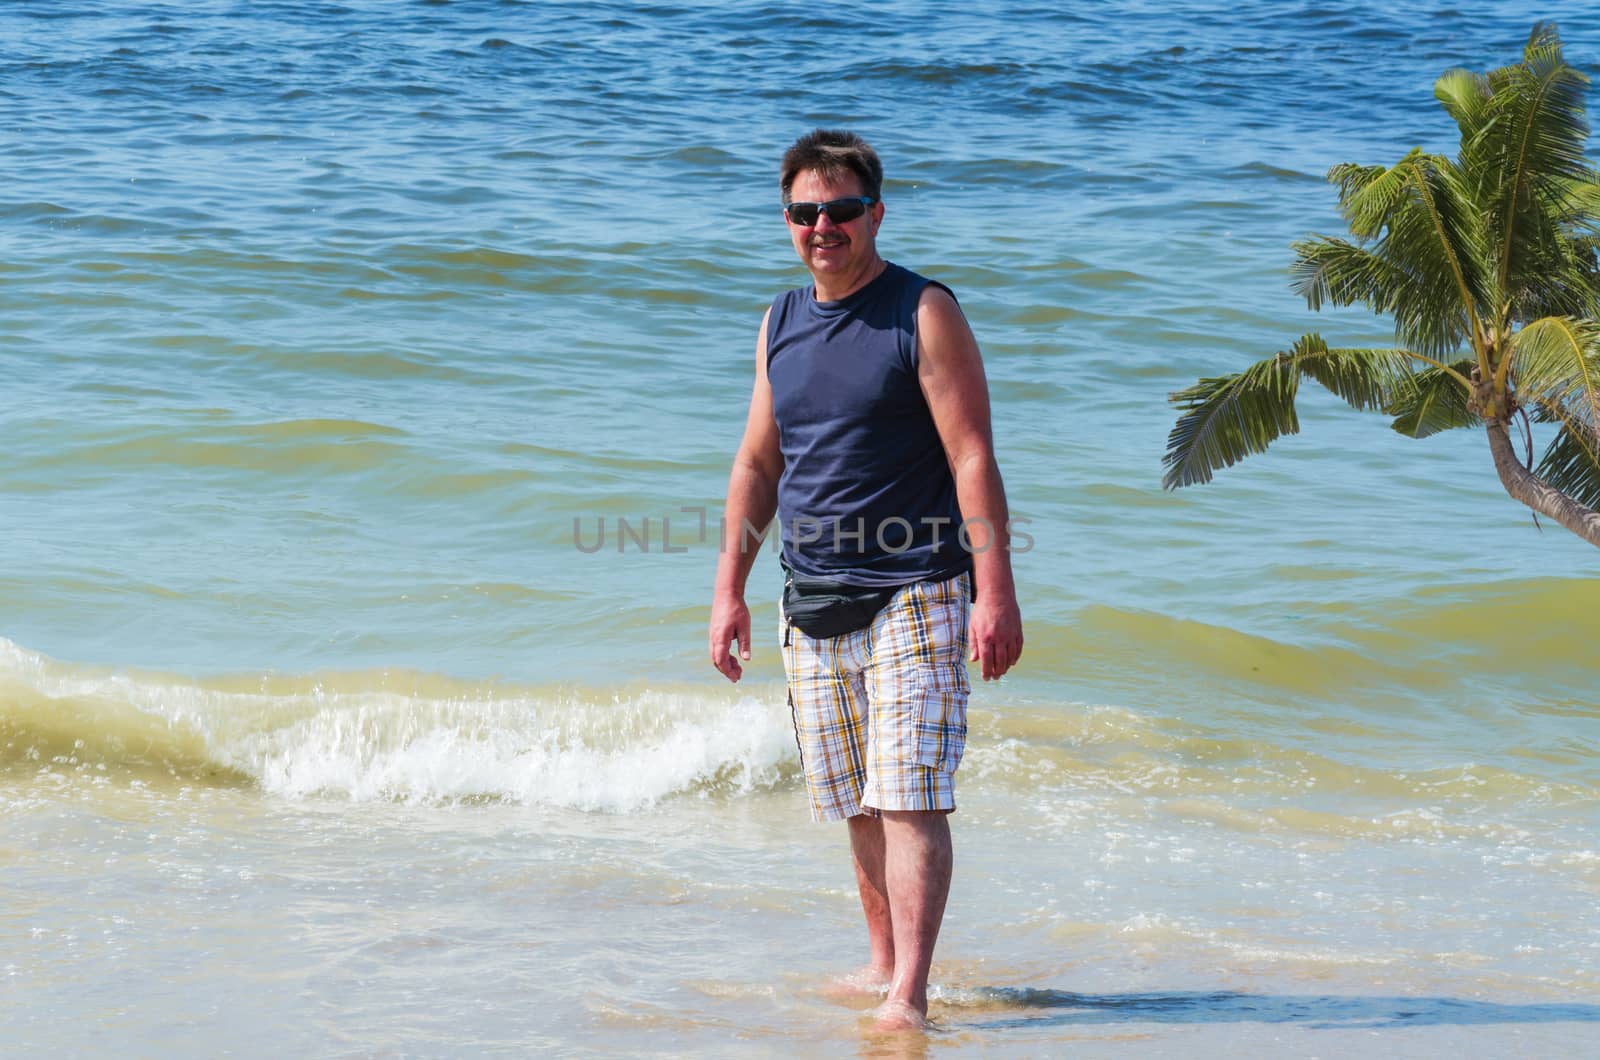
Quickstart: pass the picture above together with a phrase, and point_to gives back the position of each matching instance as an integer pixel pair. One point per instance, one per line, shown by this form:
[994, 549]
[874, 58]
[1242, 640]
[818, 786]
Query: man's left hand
[996, 634]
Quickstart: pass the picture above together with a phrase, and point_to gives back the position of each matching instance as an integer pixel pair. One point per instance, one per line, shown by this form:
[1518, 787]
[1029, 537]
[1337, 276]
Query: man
[869, 429]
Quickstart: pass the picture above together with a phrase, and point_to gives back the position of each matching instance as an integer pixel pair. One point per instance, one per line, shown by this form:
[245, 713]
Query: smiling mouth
[828, 244]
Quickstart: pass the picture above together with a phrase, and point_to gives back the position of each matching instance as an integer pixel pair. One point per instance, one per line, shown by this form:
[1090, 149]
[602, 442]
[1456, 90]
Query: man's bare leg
[866, 850]
[917, 859]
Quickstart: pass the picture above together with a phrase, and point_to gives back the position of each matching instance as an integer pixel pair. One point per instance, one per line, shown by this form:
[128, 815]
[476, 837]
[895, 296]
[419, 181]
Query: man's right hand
[730, 621]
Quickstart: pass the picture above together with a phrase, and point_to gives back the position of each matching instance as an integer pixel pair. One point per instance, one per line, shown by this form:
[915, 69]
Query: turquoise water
[335, 336]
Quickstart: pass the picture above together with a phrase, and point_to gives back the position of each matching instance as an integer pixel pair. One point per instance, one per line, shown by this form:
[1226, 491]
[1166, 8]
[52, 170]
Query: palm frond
[1465, 96]
[1367, 379]
[1571, 463]
[1369, 194]
[1524, 160]
[1565, 284]
[1227, 418]
[1436, 401]
[1579, 203]
[1543, 37]
[1427, 261]
[1556, 362]
[1332, 271]
[1435, 237]
[1586, 262]
[1586, 253]
[1558, 273]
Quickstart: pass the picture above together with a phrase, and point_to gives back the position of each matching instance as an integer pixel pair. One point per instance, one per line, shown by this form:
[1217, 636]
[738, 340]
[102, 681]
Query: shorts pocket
[942, 689]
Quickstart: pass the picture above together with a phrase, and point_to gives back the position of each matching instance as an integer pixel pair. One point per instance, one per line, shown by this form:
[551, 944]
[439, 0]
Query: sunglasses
[839, 211]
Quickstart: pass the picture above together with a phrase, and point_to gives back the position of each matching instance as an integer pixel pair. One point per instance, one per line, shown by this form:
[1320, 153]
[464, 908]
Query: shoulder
[787, 304]
[782, 307]
[924, 291]
[935, 299]
[938, 313]
[943, 335]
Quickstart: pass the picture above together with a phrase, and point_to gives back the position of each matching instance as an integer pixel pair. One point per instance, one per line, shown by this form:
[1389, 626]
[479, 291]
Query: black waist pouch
[822, 607]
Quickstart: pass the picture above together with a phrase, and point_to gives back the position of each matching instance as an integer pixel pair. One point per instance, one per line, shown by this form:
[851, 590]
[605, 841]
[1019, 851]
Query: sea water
[369, 374]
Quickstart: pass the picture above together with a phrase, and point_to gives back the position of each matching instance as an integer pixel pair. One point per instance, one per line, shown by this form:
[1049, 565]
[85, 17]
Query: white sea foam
[398, 736]
[381, 750]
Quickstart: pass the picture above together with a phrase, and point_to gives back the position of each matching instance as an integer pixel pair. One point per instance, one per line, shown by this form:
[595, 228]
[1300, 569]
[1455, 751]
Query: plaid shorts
[880, 715]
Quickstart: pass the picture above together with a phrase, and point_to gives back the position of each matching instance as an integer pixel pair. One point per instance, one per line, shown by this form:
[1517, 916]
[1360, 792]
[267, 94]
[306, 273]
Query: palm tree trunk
[1525, 486]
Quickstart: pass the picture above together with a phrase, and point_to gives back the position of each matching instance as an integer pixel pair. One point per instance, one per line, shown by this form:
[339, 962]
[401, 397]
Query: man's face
[829, 249]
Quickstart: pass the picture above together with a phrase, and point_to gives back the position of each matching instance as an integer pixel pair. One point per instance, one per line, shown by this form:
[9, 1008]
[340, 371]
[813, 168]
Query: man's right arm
[752, 502]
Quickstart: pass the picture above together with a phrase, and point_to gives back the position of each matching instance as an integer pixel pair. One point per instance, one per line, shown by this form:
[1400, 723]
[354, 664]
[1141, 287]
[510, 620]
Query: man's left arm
[950, 370]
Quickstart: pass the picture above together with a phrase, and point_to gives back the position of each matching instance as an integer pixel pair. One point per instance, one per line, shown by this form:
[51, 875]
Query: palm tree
[1488, 264]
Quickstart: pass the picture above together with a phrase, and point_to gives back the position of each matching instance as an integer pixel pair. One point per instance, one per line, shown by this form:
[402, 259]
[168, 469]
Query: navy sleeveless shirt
[866, 495]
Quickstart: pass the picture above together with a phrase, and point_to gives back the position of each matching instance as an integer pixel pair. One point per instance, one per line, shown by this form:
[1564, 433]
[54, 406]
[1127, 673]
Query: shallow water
[334, 341]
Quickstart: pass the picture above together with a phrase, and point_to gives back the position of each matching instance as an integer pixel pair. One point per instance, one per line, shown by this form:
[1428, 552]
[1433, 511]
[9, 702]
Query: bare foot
[864, 982]
[895, 1015]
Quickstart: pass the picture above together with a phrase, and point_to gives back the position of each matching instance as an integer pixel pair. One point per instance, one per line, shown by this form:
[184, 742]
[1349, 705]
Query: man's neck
[835, 288]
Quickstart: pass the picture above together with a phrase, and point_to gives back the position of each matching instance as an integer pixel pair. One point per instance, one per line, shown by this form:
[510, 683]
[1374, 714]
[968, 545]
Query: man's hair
[832, 153]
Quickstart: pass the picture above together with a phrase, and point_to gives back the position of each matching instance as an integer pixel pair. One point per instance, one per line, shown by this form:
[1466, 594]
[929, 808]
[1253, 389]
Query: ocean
[371, 372]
